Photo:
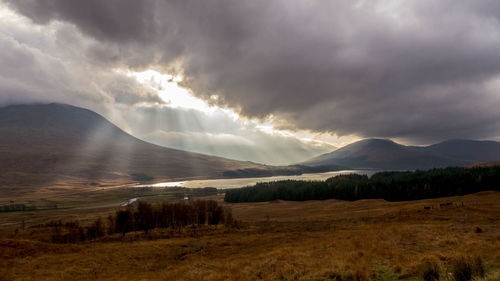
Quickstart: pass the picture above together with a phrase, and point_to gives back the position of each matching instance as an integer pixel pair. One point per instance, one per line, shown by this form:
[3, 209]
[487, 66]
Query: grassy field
[280, 240]
[103, 196]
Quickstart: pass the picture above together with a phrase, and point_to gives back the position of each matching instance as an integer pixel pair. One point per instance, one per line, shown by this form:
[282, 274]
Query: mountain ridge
[387, 154]
[49, 143]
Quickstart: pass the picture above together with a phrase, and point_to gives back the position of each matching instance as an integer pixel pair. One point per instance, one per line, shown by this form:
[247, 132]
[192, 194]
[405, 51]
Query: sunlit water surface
[241, 182]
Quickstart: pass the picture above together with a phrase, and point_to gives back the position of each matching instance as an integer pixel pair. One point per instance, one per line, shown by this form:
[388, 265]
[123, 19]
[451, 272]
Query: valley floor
[312, 240]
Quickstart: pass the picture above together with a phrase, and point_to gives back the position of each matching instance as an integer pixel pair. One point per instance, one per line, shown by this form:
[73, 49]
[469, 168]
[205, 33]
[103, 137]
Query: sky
[275, 82]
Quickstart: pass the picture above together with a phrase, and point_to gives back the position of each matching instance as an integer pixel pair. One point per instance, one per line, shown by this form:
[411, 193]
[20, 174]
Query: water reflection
[241, 182]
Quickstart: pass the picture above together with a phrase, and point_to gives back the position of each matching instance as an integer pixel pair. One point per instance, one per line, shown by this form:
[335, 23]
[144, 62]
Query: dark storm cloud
[113, 20]
[30, 75]
[422, 70]
[50, 64]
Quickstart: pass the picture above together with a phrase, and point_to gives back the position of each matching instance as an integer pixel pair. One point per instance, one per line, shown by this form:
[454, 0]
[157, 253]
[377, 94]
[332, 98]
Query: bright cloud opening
[166, 85]
[236, 137]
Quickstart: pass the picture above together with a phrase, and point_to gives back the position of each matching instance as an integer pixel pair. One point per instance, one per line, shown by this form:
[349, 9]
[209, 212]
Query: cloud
[27, 74]
[50, 64]
[114, 19]
[421, 70]
[217, 133]
[56, 62]
[257, 147]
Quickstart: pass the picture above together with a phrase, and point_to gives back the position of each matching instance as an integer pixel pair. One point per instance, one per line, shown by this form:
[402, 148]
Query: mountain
[486, 164]
[386, 154]
[476, 151]
[44, 144]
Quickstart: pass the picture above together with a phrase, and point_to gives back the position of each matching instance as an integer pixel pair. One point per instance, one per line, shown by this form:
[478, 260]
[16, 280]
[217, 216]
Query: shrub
[430, 271]
[465, 268]
[145, 216]
[123, 221]
[96, 230]
[142, 177]
[358, 275]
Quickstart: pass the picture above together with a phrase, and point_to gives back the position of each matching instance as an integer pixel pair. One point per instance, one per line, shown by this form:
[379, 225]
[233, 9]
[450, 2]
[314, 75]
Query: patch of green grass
[492, 272]
[105, 197]
[384, 272]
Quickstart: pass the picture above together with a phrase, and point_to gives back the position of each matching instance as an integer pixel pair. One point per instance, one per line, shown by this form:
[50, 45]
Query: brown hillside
[54, 143]
[311, 240]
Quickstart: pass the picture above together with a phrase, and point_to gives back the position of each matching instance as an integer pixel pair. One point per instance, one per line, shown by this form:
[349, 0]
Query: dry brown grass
[313, 240]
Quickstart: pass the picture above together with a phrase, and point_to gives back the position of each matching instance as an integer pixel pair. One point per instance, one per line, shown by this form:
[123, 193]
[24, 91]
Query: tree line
[391, 186]
[279, 171]
[144, 217]
[17, 208]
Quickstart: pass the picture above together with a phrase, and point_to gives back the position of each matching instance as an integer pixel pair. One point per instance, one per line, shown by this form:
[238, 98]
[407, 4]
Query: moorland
[279, 240]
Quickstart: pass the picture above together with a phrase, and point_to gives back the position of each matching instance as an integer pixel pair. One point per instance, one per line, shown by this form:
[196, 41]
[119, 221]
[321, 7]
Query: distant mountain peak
[376, 141]
[387, 154]
[58, 141]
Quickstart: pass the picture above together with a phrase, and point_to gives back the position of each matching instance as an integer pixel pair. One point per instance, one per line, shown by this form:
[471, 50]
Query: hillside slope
[476, 151]
[46, 143]
[386, 154]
